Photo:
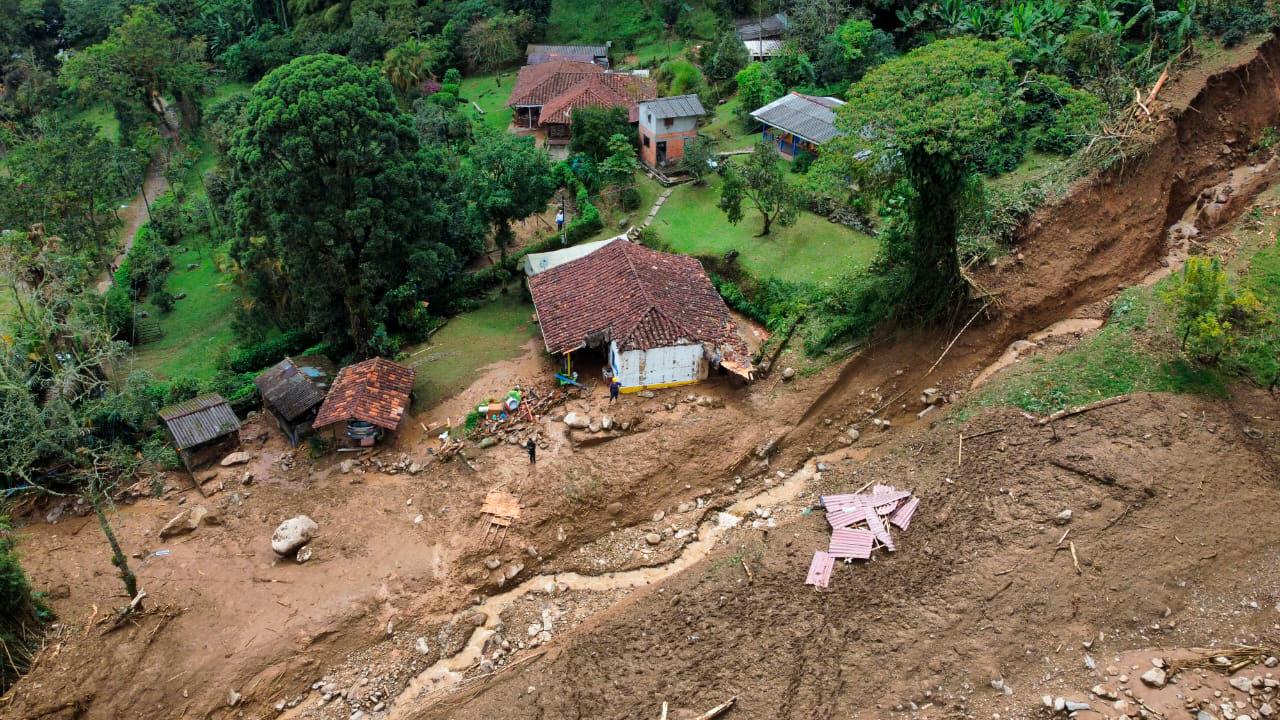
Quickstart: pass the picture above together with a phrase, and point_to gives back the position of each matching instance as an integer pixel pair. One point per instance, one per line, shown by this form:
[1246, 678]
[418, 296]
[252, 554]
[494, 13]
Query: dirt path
[133, 216]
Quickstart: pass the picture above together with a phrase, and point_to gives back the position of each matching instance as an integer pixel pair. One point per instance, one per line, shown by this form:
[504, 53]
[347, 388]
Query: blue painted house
[797, 122]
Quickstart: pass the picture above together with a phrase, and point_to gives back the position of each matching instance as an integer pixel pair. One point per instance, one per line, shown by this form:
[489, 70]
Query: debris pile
[874, 512]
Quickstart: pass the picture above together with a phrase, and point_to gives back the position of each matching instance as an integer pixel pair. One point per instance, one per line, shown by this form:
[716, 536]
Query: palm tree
[406, 65]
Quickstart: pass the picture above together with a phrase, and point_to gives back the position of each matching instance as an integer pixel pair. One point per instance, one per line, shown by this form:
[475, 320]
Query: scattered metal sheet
[846, 516]
[851, 543]
[820, 569]
[880, 531]
[902, 516]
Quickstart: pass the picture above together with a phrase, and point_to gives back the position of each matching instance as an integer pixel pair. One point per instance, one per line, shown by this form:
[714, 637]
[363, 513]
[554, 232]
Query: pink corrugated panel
[850, 543]
[820, 569]
[834, 501]
[884, 502]
[845, 516]
[880, 531]
[902, 516]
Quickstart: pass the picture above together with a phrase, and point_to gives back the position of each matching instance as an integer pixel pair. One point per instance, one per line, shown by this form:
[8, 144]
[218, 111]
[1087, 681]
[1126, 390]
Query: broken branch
[1074, 559]
[718, 710]
[1065, 412]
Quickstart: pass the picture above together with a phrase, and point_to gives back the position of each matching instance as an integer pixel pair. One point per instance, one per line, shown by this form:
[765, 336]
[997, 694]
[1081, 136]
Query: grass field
[102, 116]
[491, 97]
[449, 361]
[199, 327]
[726, 129]
[811, 250]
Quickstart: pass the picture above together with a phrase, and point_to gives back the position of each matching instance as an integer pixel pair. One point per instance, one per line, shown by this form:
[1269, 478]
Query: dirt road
[133, 216]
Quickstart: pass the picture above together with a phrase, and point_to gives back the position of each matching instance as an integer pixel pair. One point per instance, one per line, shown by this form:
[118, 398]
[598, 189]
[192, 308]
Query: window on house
[668, 122]
[646, 141]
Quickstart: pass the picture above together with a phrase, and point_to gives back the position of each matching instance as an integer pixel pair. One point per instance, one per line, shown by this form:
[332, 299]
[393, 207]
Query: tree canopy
[345, 221]
[140, 62]
[511, 178]
[761, 182]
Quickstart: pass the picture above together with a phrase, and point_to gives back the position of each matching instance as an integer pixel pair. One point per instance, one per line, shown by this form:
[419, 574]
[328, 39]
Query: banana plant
[1179, 24]
[1021, 20]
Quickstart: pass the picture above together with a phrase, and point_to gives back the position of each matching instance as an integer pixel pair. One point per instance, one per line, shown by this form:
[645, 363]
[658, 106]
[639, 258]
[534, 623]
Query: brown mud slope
[1174, 521]
[1107, 232]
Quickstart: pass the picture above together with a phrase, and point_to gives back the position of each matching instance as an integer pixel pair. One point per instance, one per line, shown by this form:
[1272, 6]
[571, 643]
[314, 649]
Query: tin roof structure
[673, 107]
[808, 117]
[287, 388]
[197, 421]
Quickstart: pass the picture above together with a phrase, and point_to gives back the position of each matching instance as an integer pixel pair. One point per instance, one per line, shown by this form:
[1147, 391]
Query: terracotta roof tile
[536, 84]
[639, 297]
[375, 391]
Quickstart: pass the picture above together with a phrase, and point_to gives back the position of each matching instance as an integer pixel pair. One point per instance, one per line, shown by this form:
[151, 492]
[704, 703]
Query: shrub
[629, 198]
[163, 300]
[1063, 118]
[268, 352]
[19, 612]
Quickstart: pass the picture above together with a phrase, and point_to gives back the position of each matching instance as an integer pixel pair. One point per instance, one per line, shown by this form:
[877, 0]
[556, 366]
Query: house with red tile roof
[545, 95]
[656, 316]
[371, 397]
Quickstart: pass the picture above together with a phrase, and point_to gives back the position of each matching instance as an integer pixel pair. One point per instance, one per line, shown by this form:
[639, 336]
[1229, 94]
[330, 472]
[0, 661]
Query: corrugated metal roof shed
[568, 50]
[763, 47]
[200, 420]
[771, 26]
[674, 106]
[809, 117]
[288, 390]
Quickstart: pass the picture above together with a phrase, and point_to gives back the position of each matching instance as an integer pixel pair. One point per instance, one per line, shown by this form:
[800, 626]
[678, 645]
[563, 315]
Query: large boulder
[579, 422]
[185, 522]
[236, 458]
[293, 534]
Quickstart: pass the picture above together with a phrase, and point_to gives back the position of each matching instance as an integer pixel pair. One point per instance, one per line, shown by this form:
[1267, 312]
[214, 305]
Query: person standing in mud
[532, 447]
[615, 387]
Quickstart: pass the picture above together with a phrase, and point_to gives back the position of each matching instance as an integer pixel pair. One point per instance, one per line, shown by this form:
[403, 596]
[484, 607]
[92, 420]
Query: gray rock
[513, 570]
[293, 534]
[593, 426]
[606, 423]
[576, 421]
[1073, 706]
[233, 698]
[488, 442]
[646, 394]
[492, 563]
[1243, 684]
[421, 646]
[657, 516]
[1265, 710]
[304, 554]
[1155, 677]
[346, 466]
[788, 373]
[1064, 517]
[185, 522]
[653, 538]
[683, 507]
[236, 458]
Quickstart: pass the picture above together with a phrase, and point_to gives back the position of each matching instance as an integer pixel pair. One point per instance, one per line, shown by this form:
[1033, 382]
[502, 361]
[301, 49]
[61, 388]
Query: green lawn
[1034, 166]
[222, 91]
[491, 97]
[104, 117]
[452, 358]
[726, 128]
[811, 250]
[199, 327]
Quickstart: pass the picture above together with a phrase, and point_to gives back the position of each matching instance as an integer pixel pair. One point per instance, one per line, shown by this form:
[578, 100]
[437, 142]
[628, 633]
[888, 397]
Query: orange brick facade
[672, 144]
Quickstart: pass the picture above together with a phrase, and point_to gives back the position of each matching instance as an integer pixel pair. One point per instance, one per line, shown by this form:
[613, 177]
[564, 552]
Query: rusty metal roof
[288, 390]
[199, 420]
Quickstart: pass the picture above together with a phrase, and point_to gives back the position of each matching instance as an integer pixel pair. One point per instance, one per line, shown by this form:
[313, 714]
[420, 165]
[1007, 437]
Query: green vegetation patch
[811, 250]
[450, 361]
[491, 96]
[1133, 352]
[101, 116]
[198, 328]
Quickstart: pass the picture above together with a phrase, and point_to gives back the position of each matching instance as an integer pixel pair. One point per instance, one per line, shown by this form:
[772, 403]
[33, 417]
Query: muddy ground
[405, 612]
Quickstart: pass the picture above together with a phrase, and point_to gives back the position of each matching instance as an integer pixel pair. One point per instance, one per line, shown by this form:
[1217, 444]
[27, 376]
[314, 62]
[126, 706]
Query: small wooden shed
[291, 397]
[371, 397]
[202, 429]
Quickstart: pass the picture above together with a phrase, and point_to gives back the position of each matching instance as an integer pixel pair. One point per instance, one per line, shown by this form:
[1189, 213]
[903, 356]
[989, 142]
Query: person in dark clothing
[614, 388]
[532, 447]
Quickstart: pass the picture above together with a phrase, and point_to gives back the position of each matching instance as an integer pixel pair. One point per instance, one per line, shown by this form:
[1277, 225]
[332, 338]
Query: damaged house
[291, 397]
[656, 316]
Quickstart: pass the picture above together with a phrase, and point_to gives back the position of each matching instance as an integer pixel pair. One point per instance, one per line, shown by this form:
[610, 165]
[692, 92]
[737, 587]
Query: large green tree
[66, 177]
[346, 223]
[929, 119]
[140, 62]
[511, 179]
[761, 182]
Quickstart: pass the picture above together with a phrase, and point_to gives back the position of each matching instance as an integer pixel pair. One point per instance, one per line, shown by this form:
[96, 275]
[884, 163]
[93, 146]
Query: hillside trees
[139, 63]
[593, 127]
[493, 42]
[510, 179]
[923, 124]
[345, 221]
[67, 177]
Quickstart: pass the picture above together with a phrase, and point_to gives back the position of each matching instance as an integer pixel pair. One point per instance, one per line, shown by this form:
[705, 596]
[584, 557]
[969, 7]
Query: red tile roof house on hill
[545, 95]
[657, 316]
[372, 396]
